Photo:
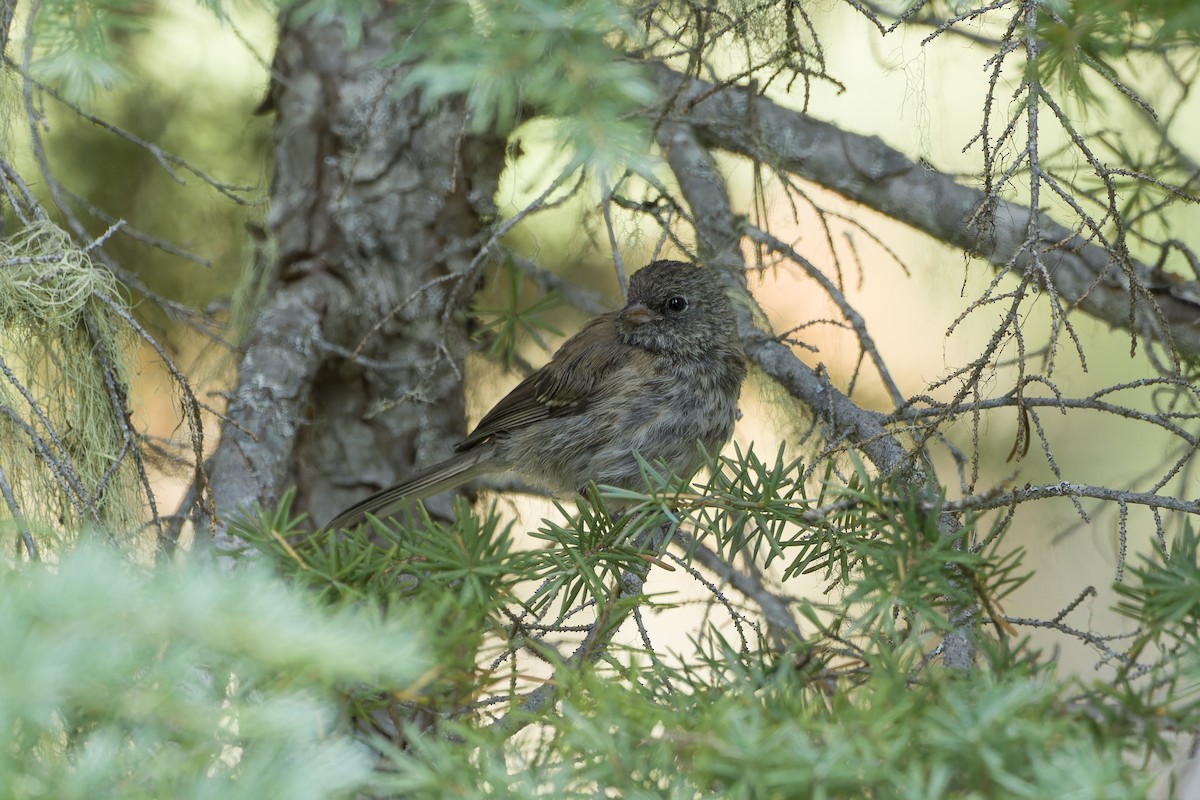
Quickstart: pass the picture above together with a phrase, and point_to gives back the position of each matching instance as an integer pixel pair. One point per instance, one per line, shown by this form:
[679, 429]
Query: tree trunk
[377, 211]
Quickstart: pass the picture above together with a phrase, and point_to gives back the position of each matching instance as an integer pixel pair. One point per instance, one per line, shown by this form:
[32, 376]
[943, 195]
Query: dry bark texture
[352, 370]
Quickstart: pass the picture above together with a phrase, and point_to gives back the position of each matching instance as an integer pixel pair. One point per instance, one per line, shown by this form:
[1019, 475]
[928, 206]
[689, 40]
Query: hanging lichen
[65, 442]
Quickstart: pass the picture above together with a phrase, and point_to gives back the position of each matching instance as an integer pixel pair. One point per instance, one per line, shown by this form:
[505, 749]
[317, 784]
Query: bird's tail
[441, 477]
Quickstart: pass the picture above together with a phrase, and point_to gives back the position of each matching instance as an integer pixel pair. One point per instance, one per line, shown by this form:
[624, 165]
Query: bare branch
[1073, 490]
[718, 235]
[774, 608]
[867, 171]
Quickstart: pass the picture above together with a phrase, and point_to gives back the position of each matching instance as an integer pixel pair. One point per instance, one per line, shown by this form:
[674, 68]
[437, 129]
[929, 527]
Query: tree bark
[867, 171]
[352, 370]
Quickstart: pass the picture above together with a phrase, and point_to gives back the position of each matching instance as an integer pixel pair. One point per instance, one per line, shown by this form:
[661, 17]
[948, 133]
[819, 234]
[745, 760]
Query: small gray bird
[654, 378]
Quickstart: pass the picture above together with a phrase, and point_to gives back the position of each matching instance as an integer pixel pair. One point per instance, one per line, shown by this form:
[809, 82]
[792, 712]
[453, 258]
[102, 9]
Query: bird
[658, 379]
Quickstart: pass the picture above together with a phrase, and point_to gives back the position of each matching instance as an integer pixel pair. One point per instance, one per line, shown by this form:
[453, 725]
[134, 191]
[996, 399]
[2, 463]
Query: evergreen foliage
[185, 681]
[851, 705]
[471, 658]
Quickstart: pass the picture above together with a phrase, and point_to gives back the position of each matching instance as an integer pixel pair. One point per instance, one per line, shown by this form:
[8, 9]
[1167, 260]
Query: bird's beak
[635, 315]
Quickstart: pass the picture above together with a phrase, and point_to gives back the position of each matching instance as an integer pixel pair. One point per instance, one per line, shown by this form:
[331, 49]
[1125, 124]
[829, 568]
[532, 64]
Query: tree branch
[718, 239]
[866, 170]
[718, 235]
[780, 622]
[275, 377]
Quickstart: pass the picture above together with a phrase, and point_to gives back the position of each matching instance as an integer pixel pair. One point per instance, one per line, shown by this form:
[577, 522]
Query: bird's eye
[677, 304]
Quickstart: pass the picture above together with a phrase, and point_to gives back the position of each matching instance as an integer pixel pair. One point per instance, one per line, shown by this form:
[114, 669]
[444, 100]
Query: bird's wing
[562, 387]
[448, 474]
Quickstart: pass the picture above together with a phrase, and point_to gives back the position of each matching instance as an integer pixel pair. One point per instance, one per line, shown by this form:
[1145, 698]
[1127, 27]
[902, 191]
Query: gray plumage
[654, 378]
